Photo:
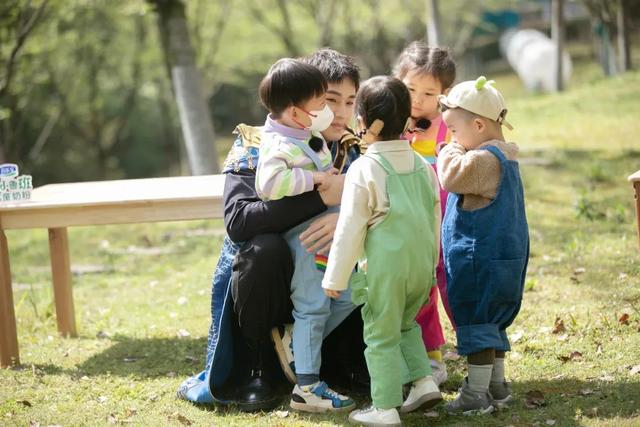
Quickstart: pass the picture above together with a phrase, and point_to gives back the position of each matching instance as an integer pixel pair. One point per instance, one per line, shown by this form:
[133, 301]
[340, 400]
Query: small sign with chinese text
[14, 187]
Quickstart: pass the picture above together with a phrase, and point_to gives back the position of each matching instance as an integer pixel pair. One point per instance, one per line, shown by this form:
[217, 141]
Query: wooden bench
[58, 206]
[635, 181]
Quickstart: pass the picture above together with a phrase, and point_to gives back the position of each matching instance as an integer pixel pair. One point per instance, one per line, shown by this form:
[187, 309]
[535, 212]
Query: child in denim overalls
[485, 238]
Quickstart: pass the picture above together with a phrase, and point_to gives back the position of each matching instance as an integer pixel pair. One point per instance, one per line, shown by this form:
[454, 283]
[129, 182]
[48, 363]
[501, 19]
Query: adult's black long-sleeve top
[246, 215]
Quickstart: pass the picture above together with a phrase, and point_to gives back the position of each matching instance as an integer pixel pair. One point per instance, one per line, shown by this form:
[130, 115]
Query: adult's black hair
[290, 82]
[334, 65]
[387, 99]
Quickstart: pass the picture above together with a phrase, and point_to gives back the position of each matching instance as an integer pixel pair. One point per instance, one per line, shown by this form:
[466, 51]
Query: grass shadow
[563, 402]
[148, 357]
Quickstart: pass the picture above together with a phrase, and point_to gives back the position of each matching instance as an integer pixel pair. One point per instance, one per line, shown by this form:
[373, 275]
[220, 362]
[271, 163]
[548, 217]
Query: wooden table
[58, 206]
[635, 181]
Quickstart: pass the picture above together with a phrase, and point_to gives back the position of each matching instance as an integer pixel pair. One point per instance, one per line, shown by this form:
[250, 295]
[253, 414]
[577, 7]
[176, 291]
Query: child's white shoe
[424, 393]
[319, 398]
[438, 372]
[373, 416]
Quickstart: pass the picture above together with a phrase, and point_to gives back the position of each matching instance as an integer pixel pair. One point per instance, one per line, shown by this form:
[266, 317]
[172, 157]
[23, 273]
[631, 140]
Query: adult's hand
[331, 193]
[319, 235]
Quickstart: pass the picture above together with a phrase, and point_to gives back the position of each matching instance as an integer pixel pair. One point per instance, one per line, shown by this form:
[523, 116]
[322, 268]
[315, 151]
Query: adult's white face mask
[320, 119]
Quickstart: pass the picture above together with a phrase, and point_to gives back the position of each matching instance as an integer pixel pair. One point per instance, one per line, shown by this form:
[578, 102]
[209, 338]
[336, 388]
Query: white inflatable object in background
[533, 56]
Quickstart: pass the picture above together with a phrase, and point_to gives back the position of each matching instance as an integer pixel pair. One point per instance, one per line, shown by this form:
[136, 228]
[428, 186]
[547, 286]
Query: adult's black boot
[257, 394]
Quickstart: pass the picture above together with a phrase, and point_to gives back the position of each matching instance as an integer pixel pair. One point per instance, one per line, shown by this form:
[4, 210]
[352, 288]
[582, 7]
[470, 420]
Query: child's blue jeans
[315, 314]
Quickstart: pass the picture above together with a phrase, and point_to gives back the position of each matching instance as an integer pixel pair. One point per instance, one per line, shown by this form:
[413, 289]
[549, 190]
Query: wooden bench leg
[9, 353]
[636, 187]
[61, 272]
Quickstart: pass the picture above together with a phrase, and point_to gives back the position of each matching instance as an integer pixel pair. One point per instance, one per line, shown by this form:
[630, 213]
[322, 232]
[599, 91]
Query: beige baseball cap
[480, 97]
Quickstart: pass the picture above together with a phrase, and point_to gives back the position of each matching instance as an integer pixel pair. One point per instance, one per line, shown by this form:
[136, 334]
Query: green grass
[151, 282]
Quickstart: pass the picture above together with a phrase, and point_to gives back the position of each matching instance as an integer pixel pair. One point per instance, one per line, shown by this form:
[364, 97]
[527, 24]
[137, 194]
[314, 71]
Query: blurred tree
[180, 59]
[622, 23]
[433, 22]
[87, 92]
[16, 24]
[603, 16]
[324, 15]
[282, 28]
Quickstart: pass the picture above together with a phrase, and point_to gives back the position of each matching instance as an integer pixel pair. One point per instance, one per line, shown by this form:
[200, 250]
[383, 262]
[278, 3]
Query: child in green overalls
[389, 220]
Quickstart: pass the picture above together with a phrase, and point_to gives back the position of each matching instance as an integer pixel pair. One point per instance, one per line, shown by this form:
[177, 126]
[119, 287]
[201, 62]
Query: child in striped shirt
[294, 161]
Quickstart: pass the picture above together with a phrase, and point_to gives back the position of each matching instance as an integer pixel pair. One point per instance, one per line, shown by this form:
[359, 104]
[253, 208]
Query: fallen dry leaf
[607, 378]
[579, 270]
[575, 355]
[624, 319]
[451, 355]
[516, 336]
[103, 334]
[282, 414]
[534, 399]
[586, 392]
[130, 412]
[592, 413]
[550, 422]
[558, 326]
[180, 418]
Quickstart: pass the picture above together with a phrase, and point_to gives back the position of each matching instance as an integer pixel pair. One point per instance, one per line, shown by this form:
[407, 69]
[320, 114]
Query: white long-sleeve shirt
[365, 203]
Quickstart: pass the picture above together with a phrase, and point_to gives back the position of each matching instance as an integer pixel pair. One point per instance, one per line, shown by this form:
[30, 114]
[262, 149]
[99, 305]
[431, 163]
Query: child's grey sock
[480, 377]
[498, 370]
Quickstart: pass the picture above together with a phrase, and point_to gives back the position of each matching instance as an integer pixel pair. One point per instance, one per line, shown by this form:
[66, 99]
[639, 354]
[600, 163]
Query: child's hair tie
[369, 135]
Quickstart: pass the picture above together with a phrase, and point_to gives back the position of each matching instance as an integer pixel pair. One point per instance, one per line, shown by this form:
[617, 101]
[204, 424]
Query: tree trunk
[557, 34]
[195, 119]
[623, 37]
[433, 23]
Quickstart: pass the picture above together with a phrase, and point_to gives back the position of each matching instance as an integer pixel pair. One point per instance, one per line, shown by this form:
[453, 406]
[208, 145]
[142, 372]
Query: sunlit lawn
[142, 293]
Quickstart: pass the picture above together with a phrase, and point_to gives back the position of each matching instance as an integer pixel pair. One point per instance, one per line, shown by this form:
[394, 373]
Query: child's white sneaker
[469, 402]
[319, 397]
[373, 416]
[424, 393]
[438, 372]
[500, 392]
